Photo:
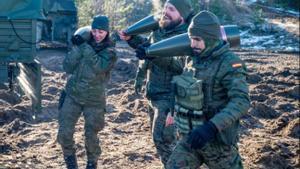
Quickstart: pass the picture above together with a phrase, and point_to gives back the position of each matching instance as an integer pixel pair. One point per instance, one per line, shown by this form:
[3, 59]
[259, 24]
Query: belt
[159, 96]
[190, 114]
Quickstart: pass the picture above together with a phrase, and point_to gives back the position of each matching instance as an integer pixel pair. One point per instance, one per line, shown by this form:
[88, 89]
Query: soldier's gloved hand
[77, 40]
[141, 52]
[202, 135]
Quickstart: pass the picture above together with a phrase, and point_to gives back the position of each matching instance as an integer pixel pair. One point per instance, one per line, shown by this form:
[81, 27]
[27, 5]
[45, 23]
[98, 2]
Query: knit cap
[184, 7]
[206, 25]
[100, 22]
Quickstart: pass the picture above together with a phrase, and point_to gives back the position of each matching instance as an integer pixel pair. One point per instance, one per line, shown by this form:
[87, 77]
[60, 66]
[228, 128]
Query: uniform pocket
[169, 134]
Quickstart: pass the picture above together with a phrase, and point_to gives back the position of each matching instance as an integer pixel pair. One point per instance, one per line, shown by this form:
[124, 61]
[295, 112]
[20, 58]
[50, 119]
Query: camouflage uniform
[225, 103]
[89, 65]
[159, 74]
[226, 100]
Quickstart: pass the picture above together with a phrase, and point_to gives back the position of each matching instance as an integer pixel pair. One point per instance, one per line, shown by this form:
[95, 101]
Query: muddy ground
[269, 136]
[270, 132]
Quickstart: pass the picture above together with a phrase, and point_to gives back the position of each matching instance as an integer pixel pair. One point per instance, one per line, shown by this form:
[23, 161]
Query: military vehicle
[21, 23]
[61, 20]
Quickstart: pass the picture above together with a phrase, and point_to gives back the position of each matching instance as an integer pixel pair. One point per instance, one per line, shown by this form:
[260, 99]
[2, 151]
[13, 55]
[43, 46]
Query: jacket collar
[215, 52]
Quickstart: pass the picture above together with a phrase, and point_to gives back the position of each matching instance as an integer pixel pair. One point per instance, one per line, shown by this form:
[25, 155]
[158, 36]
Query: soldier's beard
[168, 24]
[197, 51]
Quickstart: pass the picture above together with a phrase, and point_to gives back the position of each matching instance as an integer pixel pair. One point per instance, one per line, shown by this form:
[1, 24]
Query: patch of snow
[289, 11]
[294, 12]
[255, 39]
[270, 42]
[249, 2]
[289, 48]
[244, 32]
[258, 48]
[267, 42]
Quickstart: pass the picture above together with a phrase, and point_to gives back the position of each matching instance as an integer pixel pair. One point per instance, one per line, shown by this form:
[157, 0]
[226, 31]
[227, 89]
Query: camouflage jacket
[90, 72]
[159, 71]
[226, 92]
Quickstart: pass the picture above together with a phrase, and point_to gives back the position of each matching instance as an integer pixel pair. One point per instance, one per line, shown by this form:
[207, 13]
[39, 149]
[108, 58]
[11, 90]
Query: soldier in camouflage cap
[89, 64]
[209, 135]
[159, 72]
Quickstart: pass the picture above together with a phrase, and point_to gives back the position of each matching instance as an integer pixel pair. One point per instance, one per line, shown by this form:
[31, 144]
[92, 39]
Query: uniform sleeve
[171, 64]
[104, 60]
[136, 40]
[234, 80]
[101, 61]
[141, 72]
[72, 59]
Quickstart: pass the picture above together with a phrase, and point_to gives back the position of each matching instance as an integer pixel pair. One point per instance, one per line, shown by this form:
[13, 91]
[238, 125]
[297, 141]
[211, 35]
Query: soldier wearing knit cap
[100, 22]
[184, 9]
[88, 65]
[100, 28]
[212, 137]
[158, 73]
[205, 25]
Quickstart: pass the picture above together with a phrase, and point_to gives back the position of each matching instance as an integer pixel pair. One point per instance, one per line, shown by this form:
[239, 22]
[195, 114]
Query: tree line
[123, 13]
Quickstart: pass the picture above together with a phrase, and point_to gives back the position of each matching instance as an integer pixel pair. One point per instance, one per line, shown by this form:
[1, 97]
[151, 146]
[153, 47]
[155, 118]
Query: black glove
[140, 52]
[202, 135]
[77, 40]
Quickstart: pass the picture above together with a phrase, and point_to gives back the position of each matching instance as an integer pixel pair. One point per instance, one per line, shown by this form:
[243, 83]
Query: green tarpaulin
[22, 9]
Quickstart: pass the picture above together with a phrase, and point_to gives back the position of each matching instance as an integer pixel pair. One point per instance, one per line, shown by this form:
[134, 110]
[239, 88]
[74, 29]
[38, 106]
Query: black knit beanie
[184, 7]
[100, 22]
[206, 25]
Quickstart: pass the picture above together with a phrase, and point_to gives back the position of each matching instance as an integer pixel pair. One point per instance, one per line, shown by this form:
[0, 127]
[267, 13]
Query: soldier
[89, 64]
[174, 21]
[208, 110]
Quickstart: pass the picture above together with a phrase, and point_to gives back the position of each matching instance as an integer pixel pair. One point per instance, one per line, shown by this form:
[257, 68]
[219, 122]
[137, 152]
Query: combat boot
[71, 162]
[91, 165]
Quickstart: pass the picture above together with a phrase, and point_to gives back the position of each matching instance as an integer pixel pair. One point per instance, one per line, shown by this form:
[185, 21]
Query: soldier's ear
[182, 20]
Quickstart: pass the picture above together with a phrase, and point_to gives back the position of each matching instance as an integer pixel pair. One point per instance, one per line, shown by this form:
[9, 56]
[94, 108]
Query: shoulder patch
[237, 65]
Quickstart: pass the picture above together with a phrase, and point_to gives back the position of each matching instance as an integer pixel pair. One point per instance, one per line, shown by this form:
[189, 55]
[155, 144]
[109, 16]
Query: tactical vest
[194, 102]
[188, 91]
[207, 71]
[189, 102]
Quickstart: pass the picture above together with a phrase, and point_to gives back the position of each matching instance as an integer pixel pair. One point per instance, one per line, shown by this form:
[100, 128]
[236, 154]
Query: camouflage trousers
[163, 136]
[94, 122]
[214, 155]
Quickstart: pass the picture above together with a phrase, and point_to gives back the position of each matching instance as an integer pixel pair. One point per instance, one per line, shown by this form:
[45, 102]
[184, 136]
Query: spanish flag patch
[236, 65]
